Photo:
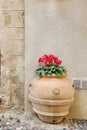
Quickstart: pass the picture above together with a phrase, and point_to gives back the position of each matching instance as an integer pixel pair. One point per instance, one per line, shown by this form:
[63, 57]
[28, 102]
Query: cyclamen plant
[50, 64]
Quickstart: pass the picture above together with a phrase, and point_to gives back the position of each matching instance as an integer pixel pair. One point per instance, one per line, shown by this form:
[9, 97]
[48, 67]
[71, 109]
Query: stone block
[19, 92]
[17, 76]
[12, 75]
[11, 33]
[12, 47]
[12, 18]
[13, 61]
[11, 4]
[5, 85]
[16, 61]
[16, 98]
[17, 86]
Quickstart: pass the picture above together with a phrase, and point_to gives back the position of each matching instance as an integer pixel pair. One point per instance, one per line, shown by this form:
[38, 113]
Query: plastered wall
[57, 27]
[12, 49]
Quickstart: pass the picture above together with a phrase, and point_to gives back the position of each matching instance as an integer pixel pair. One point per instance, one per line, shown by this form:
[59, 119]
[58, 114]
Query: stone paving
[14, 121]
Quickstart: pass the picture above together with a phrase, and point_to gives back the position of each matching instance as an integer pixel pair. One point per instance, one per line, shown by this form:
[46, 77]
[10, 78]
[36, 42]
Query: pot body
[51, 98]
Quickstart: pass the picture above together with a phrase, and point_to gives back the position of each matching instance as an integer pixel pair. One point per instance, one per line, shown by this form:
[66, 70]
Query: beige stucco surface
[58, 27]
[79, 107]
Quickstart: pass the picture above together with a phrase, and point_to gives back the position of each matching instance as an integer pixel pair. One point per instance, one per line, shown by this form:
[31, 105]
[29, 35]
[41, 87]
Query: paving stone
[19, 122]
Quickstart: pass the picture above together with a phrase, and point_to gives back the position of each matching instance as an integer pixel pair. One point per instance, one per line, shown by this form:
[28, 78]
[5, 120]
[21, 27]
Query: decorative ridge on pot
[50, 66]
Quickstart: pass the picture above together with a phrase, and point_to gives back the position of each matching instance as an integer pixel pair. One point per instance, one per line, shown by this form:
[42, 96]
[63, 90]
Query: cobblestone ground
[13, 121]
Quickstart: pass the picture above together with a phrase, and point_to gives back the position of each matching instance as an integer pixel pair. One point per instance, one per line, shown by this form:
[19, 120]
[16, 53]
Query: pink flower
[51, 58]
[58, 62]
[44, 59]
[48, 59]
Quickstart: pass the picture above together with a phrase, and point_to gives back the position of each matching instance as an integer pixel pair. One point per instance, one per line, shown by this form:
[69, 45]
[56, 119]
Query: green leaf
[53, 68]
[48, 74]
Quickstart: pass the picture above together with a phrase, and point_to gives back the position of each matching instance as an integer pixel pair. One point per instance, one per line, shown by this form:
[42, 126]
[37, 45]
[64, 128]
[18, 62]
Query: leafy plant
[50, 64]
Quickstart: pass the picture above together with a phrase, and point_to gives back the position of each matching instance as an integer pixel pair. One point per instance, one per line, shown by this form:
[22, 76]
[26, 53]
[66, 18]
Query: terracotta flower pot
[53, 76]
[51, 98]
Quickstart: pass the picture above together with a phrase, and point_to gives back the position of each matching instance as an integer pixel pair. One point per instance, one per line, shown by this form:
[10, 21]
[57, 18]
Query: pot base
[51, 119]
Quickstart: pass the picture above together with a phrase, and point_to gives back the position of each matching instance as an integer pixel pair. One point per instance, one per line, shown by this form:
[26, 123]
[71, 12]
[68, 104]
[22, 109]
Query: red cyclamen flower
[48, 59]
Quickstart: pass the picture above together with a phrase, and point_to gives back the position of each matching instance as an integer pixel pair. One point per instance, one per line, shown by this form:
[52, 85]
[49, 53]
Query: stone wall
[58, 27]
[12, 49]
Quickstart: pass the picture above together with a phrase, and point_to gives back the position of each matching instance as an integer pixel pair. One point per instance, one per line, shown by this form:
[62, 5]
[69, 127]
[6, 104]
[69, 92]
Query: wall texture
[58, 27]
[12, 49]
